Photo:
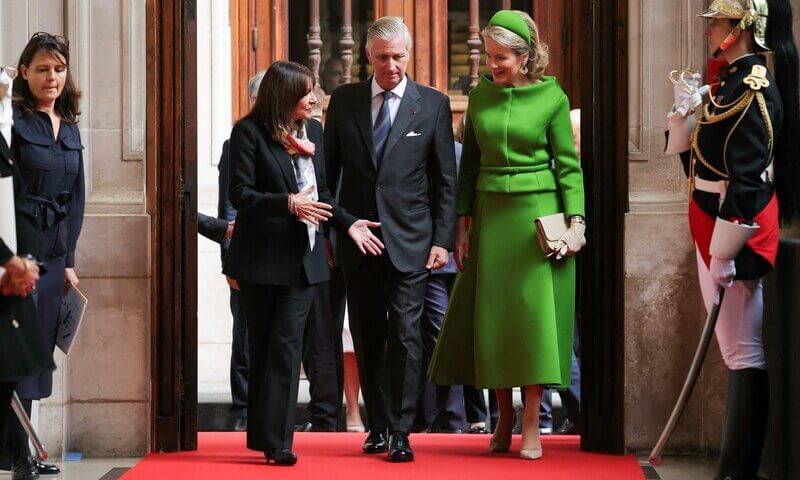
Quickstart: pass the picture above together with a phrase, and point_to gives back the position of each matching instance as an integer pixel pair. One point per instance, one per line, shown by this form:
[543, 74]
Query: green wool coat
[511, 315]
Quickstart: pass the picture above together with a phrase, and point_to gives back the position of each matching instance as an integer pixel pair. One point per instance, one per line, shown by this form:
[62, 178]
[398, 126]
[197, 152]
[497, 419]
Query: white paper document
[73, 306]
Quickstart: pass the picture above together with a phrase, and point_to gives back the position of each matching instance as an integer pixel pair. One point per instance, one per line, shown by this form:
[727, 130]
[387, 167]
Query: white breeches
[740, 319]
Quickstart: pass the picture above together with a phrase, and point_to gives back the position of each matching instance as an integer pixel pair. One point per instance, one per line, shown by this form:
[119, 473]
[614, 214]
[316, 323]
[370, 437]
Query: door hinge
[255, 38]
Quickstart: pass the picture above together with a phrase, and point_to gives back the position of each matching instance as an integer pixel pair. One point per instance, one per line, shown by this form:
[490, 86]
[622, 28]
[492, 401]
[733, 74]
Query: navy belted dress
[53, 172]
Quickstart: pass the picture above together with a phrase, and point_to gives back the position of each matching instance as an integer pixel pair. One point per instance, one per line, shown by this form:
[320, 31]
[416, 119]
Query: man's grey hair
[389, 28]
[254, 83]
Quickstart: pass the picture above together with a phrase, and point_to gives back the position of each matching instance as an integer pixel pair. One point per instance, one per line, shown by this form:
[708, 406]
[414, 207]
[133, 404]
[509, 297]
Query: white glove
[689, 94]
[572, 240]
[723, 271]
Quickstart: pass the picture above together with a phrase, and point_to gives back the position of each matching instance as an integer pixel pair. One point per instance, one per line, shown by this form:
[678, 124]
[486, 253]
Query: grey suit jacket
[413, 192]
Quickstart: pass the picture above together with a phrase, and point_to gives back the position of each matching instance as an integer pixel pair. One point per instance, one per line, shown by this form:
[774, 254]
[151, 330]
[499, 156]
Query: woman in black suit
[277, 253]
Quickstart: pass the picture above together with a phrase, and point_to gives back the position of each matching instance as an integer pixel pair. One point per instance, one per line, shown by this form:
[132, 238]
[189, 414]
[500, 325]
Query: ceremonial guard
[742, 169]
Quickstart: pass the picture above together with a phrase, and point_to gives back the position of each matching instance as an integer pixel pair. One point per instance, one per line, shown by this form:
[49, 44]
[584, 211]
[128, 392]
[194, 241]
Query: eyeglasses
[10, 71]
[49, 36]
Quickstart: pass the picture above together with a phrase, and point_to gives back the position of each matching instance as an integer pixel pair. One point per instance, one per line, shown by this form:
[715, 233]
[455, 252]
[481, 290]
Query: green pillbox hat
[513, 22]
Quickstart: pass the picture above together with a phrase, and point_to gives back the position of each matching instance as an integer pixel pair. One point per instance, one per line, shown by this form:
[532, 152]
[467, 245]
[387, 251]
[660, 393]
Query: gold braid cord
[738, 107]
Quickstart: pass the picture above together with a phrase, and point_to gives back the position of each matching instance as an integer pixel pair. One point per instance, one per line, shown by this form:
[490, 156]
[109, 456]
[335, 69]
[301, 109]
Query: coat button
[15, 323]
[379, 188]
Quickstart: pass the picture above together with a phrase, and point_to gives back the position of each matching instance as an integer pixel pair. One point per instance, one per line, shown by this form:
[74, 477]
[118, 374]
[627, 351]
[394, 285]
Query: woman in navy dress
[47, 145]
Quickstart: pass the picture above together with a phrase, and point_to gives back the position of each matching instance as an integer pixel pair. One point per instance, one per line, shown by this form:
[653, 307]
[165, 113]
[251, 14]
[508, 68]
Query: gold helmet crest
[752, 13]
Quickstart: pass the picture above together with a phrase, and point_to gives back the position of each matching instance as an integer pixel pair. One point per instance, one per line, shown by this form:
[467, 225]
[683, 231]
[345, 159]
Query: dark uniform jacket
[53, 174]
[20, 351]
[733, 142]
[269, 245]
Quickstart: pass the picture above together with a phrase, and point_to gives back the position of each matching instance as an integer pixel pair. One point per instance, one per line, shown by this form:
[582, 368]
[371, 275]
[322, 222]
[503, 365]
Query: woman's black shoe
[46, 468]
[281, 456]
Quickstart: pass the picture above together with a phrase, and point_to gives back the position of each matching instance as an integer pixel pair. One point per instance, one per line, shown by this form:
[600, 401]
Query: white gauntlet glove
[573, 239]
[723, 271]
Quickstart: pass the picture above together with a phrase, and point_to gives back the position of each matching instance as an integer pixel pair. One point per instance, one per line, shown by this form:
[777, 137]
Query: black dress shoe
[47, 469]
[400, 448]
[24, 470]
[443, 430]
[281, 456]
[310, 427]
[304, 427]
[568, 428]
[376, 442]
[241, 424]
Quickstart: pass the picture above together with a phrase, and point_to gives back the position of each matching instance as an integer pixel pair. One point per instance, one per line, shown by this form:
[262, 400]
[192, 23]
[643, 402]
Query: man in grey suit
[389, 152]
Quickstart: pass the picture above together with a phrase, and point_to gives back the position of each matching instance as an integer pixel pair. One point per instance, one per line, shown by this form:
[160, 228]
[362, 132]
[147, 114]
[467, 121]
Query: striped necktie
[380, 131]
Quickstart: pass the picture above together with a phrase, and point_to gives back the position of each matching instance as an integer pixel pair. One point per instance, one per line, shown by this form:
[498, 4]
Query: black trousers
[240, 357]
[385, 308]
[322, 353]
[440, 406]
[475, 406]
[276, 316]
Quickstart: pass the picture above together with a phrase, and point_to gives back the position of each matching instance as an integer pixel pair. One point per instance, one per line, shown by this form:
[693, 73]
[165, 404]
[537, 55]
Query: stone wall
[100, 403]
[664, 314]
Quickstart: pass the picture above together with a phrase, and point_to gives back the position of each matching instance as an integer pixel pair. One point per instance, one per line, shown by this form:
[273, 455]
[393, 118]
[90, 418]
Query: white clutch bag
[549, 229]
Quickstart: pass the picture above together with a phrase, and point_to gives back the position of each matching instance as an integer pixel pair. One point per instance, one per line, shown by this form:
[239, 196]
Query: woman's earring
[524, 70]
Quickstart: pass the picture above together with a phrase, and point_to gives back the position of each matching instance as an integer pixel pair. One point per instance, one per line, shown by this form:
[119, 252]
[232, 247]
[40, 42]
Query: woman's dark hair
[284, 84]
[787, 149]
[67, 103]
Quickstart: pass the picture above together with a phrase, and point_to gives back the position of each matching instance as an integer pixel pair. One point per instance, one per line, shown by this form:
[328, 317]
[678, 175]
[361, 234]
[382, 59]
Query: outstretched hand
[363, 237]
[307, 209]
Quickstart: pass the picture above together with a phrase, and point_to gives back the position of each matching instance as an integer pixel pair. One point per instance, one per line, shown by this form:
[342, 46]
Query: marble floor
[681, 468]
[674, 468]
[89, 469]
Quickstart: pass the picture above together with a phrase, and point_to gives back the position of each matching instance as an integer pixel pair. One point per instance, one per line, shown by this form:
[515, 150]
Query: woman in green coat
[511, 312]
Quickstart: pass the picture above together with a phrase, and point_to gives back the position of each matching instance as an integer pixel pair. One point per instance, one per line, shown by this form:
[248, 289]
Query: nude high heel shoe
[535, 452]
[501, 439]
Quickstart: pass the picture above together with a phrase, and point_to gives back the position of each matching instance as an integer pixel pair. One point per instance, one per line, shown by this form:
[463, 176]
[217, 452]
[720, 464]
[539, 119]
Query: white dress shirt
[394, 99]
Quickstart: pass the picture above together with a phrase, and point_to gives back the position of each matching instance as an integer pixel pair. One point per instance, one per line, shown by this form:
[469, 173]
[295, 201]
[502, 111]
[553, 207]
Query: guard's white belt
[720, 187]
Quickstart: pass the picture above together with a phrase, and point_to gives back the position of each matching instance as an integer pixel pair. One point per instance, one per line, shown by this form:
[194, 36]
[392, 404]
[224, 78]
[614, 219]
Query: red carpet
[337, 456]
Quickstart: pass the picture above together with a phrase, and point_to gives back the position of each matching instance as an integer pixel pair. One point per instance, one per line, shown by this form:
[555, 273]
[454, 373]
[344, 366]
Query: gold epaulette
[757, 78]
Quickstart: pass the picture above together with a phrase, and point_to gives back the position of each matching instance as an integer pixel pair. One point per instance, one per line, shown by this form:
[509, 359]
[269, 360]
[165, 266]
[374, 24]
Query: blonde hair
[537, 51]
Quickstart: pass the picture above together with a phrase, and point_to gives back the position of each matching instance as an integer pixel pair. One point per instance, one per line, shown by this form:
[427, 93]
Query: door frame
[172, 205]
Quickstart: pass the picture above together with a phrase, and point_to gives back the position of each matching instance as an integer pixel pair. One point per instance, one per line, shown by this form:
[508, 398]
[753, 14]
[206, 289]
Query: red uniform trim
[764, 242]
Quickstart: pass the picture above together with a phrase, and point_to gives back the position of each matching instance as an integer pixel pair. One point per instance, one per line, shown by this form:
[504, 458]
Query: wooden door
[172, 205]
[596, 79]
[601, 267]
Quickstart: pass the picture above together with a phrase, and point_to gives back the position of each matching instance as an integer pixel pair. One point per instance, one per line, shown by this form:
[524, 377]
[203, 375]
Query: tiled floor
[89, 469]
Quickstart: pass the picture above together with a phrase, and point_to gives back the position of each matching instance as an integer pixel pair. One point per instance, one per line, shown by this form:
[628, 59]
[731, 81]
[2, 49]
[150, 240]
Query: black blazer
[269, 245]
[413, 194]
